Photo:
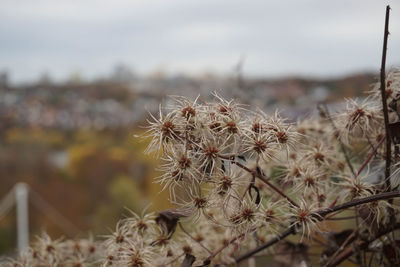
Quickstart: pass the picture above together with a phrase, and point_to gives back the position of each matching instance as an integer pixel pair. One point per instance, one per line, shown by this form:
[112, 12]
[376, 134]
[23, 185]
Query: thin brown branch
[371, 154]
[362, 245]
[357, 202]
[384, 102]
[175, 259]
[342, 146]
[213, 255]
[283, 235]
[348, 240]
[261, 177]
[194, 239]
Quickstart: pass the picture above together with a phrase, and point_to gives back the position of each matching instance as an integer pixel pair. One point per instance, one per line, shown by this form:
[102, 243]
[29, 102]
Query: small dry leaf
[188, 261]
[258, 197]
[167, 220]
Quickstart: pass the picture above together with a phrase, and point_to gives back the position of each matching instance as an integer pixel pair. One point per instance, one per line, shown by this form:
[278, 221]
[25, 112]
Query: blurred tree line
[89, 177]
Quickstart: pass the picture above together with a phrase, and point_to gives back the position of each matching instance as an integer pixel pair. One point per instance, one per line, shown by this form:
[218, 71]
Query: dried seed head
[119, 239]
[187, 249]
[256, 127]
[248, 214]
[224, 110]
[225, 183]
[215, 126]
[77, 247]
[50, 248]
[282, 137]
[321, 198]
[309, 181]
[92, 249]
[211, 152]
[188, 112]
[198, 237]
[136, 261]
[184, 162]
[341, 165]
[235, 219]
[389, 92]
[141, 225]
[231, 127]
[295, 172]
[170, 253]
[269, 215]
[167, 128]
[200, 202]
[356, 189]
[319, 157]
[301, 130]
[357, 114]
[177, 175]
[260, 146]
[162, 240]
[303, 215]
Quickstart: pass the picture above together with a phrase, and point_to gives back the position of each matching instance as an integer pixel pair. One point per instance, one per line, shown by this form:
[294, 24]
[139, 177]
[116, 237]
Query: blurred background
[78, 78]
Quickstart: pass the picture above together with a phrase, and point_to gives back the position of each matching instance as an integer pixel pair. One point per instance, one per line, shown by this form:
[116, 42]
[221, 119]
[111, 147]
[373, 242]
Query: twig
[261, 177]
[349, 239]
[362, 245]
[368, 159]
[384, 102]
[194, 239]
[342, 147]
[284, 234]
[213, 255]
[357, 202]
[175, 259]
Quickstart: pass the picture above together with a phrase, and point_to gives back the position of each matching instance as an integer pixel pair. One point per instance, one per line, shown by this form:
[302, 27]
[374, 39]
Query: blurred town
[73, 142]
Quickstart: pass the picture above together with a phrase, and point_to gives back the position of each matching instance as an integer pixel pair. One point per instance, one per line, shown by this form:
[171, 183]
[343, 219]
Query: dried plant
[243, 180]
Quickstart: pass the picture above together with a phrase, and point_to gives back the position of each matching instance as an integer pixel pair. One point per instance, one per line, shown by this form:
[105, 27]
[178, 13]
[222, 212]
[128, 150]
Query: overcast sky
[282, 37]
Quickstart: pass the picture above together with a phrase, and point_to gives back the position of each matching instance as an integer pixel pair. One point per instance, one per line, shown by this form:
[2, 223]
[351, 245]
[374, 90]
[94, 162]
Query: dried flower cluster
[48, 252]
[239, 178]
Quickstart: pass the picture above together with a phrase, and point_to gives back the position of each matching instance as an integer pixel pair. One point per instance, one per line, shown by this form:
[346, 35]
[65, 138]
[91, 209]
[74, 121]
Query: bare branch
[194, 239]
[262, 178]
[342, 146]
[384, 102]
[283, 235]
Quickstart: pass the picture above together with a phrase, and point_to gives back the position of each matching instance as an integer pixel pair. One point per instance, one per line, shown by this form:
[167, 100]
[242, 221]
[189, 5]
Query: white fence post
[21, 195]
